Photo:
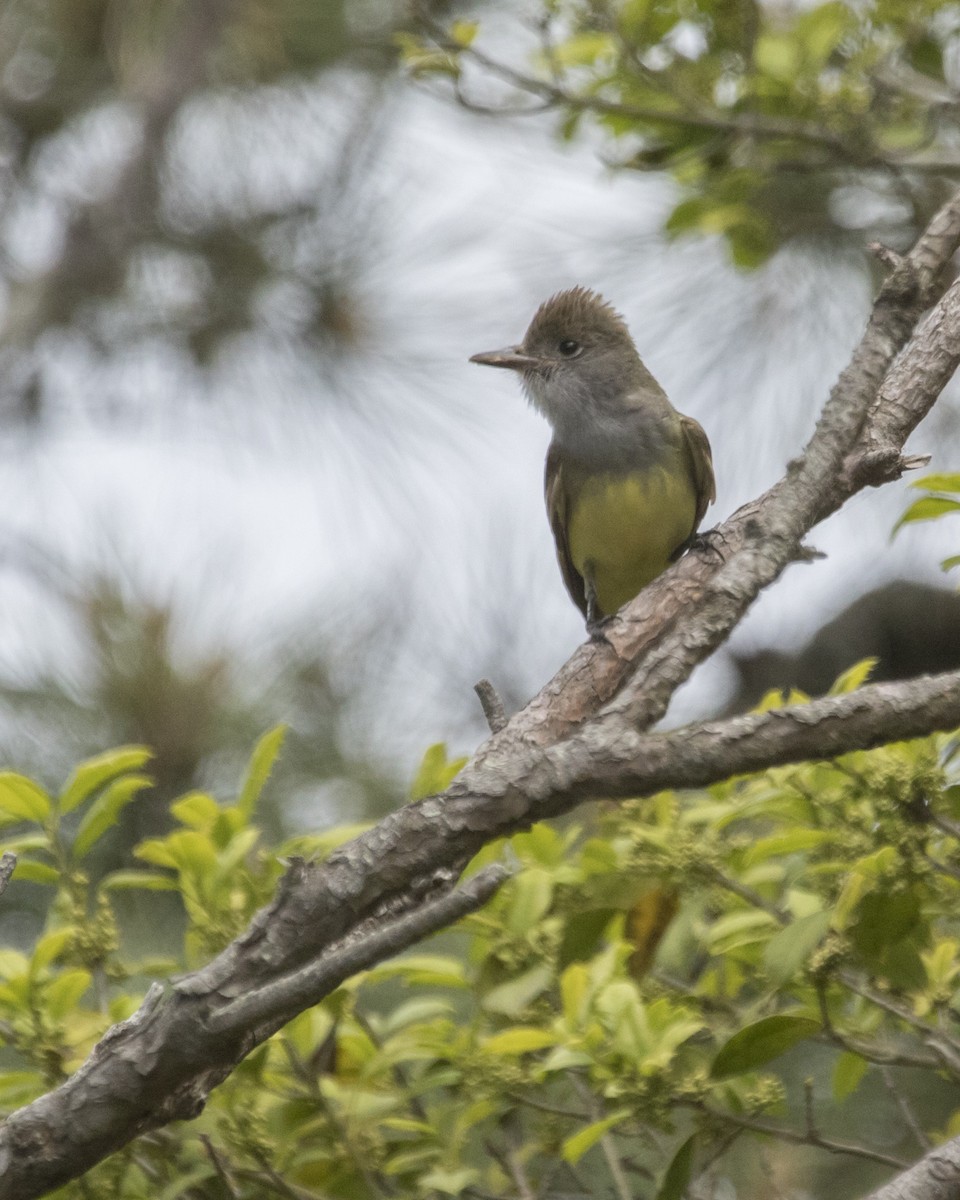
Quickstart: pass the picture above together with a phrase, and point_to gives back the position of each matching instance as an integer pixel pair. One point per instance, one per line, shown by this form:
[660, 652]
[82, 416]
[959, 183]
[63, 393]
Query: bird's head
[577, 354]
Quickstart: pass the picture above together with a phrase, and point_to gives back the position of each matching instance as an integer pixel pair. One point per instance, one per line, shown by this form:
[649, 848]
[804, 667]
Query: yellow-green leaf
[436, 772]
[853, 677]
[93, 774]
[522, 1039]
[138, 879]
[848, 1072]
[105, 810]
[197, 810]
[22, 799]
[258, 772]
[928, 508]
[576, 1146]
[63, 992]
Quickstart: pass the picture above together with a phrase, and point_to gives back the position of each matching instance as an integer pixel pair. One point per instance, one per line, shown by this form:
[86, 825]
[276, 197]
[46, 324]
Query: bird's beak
[511, 357]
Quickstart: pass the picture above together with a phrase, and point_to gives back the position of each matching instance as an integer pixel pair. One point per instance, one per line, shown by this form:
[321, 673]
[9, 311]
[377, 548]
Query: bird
[627, 477]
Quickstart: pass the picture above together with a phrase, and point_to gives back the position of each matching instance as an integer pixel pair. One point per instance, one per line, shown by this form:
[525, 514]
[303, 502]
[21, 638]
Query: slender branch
[902, 1102]
[491, 704]
[808, 1138]
[753, 125]
[935, 1177]
[276, 1002]
[220, 1166]
[8, 864]
[621, 1185]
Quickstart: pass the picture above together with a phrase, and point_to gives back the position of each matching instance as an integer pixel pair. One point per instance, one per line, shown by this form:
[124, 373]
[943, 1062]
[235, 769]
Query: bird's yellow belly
[623, 529]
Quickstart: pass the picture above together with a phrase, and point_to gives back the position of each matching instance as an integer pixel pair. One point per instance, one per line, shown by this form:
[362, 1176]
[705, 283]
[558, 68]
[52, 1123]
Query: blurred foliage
[96, 99]
[776, 120]
[198, 710]
[809, 970]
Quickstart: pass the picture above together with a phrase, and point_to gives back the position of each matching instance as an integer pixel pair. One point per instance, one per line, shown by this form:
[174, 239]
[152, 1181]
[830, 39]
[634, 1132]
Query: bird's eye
[569, 348]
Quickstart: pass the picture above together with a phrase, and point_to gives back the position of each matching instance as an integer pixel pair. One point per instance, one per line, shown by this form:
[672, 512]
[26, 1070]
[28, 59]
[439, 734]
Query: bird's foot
[708, 539]
[596, 627]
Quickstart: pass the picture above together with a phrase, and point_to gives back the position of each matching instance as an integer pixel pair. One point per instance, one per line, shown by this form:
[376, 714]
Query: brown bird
[628, 478]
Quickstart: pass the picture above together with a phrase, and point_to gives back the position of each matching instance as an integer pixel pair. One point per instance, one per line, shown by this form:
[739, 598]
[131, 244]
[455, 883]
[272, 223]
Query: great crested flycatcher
[628, 478]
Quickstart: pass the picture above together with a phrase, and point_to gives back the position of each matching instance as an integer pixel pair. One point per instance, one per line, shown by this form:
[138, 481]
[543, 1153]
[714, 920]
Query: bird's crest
[579, 312]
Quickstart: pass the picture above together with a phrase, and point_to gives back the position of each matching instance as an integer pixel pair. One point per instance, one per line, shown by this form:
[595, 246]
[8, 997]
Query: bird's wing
[701, 465]
[556, 498]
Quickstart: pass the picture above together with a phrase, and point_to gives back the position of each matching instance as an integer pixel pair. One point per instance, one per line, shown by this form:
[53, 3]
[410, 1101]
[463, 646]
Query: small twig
[946, 1048]
[510, 1165]
[865, 1050]
[491, 704]
[620, 1183]
[292, 993]
[945, 825]
[399, 1075]
[890, 258]
[219, 1166]
[8, 864]
[906, 1109]
[753, 898]
[808, 1110]
[554, 1110]
[753, 1125]
[280, 1185]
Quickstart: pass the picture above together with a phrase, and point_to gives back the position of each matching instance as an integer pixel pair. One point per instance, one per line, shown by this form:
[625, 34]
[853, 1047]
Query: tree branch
[577, 738]
[935, 1177]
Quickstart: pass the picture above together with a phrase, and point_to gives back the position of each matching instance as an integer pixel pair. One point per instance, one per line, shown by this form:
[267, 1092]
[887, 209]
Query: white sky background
[285, 497]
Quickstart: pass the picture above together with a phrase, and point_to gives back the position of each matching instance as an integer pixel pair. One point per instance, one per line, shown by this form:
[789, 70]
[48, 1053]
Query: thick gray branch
[935, 1177]
[161, 1065]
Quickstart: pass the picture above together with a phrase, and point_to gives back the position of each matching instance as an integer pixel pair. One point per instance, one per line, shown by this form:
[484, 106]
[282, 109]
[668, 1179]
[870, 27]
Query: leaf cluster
[765, 115]
[657, 983]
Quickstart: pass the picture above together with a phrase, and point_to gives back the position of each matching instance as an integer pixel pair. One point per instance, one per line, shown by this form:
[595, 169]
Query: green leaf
[777, 55]
[926, 509]
[451, 1183]
[13, 964]
[949, 563]
[853, 677]
[22, 799]
[512, 997]
[821, 30]
[197, 810]
[138, 879]
[576, 1146]
[436, 772]
[49, 947]
[677, 1176]
[788, 950]
[93, 774]
[888, 934]
[258, 772]
[156, 851]
[532, 894]
[522, 1039]
[848, 1072]
[761, 1042]
[583, 49]
[104, 811]
[937, 483]
[31, 871]
[63, 992]
[26, 843]
[464, 32]
[582, 935]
